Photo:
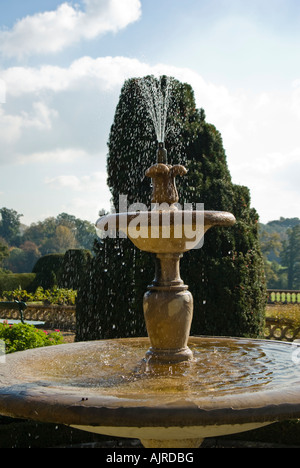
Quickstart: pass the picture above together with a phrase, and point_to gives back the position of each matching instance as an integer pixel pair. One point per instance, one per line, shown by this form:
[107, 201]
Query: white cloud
[89, 208]
[52, 31]
[12, 125]
[87, 194]
[91, 85]
[59, 155]
[108, 15]
[2, 91]
[86, 183]
[103, 73]
[235, 114]
[25, 80]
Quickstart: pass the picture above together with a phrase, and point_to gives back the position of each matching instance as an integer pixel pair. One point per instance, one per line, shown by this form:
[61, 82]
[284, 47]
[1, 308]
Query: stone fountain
[167, 232]
[168, 389]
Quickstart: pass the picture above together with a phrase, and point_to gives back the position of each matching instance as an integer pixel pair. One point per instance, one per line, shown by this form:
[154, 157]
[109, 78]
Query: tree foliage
[10, 225]
[21, 246]
[4, 252]
[281, 251]
[291, 257]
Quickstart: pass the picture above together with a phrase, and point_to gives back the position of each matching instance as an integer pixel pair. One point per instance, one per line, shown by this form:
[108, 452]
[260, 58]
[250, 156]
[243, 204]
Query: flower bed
[23, 336]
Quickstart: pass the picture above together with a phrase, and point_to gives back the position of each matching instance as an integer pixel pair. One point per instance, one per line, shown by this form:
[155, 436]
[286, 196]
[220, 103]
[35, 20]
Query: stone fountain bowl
[108, 387]
[169, 231]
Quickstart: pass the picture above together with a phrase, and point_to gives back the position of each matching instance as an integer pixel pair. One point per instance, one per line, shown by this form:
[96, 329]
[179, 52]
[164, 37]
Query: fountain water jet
[157, 102]
[168, 389]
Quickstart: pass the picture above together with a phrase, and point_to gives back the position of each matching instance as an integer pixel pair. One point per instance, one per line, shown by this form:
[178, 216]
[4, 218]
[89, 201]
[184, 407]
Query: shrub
[55, 295]
[10, 281]
[47, 270]
[17, 295]
[25, 336]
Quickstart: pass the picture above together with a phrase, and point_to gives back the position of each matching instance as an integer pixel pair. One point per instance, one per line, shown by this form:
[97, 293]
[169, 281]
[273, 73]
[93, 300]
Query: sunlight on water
[117, 368]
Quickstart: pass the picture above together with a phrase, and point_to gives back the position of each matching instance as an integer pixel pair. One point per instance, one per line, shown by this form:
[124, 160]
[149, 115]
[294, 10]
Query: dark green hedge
[48, 270]
[62, 270]
[109, 299]
[72, 268]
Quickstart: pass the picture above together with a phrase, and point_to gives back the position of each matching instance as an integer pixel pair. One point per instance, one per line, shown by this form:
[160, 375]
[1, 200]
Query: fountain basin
[168, 231]
[108, 387]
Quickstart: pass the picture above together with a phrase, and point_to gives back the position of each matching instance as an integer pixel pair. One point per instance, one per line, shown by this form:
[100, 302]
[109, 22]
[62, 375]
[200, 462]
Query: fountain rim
[38, 401]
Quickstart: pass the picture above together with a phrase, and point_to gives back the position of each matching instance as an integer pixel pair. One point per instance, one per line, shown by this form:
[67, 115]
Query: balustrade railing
[54, 316]
[64, 317]
[283, 330]
[283, 296]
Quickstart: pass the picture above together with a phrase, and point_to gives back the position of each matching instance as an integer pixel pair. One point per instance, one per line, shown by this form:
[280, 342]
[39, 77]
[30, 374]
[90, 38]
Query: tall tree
[291, 257]
[22, 259]
[226, 276]
[10, 225]
[61, 233]
[4, 252]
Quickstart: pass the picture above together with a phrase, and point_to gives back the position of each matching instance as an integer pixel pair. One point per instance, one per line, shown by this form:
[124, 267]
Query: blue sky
[62, 65]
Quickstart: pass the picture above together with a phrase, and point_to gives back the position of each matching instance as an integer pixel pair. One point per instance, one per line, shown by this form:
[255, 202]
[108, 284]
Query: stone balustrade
[281, 329]
[283, 296]
[61, 317]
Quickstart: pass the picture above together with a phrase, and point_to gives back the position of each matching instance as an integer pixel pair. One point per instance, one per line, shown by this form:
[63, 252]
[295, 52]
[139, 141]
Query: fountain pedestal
[168, 312]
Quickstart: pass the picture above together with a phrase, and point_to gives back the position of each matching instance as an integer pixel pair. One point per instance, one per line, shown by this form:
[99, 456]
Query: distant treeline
[21, 246]
[280, 245]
